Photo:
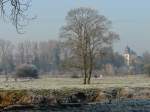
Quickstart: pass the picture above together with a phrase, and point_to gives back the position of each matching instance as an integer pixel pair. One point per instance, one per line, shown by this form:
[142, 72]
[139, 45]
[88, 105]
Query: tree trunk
[89, 78]
[90, 69]
[85, 70]
[84, 81]
[85, 74]
[6, 76]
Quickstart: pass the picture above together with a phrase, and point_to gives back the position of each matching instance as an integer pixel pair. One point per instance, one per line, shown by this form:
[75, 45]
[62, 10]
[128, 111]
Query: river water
[122, 106]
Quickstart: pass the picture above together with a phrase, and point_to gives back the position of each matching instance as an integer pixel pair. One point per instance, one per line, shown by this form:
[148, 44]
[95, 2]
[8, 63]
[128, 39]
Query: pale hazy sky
[130, 18]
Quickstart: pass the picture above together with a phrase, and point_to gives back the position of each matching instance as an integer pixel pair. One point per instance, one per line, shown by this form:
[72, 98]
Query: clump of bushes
[27, 71]
[74, 76]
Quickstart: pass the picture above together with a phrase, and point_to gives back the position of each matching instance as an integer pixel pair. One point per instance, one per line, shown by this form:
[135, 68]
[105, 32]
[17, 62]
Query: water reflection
[123, 106]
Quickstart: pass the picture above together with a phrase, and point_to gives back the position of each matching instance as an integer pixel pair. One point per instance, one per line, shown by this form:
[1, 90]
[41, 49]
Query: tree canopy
[87, 32]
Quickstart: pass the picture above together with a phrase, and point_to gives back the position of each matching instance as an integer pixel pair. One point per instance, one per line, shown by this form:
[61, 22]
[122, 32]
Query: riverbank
[65, 97]
[124, 106]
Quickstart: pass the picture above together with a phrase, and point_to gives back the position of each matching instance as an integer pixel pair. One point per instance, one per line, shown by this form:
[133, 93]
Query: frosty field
[46, 82]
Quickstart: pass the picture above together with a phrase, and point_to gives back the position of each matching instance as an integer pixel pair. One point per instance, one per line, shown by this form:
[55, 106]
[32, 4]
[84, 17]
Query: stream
[122, 106]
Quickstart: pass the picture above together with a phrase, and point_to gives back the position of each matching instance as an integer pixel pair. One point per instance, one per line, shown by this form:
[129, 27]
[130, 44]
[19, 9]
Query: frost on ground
[46, 82]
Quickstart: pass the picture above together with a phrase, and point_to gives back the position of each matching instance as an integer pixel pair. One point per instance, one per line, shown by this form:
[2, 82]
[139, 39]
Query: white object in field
[100, 76]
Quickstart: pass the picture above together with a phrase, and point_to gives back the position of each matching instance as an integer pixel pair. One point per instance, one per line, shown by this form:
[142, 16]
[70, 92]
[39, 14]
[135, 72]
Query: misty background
[129, 18]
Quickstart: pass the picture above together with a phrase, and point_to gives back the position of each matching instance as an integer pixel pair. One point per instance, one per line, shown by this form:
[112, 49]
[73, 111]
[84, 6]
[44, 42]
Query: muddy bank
[65, 98]
[123, 106]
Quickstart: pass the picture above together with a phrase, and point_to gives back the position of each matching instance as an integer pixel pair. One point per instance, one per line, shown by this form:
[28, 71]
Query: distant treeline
[51, 56]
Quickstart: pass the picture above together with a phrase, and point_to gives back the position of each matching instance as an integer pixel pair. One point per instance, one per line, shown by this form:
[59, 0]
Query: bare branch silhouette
[16, 10]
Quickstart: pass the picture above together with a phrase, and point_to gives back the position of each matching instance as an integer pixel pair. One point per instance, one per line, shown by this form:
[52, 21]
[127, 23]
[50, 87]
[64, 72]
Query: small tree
[147, 69]
[27, 71]
[6, 56]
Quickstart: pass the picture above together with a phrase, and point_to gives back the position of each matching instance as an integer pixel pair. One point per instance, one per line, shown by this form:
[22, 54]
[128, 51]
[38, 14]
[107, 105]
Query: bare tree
[20, 53]
[15, 10]
[46, 50]
[35, 52]
[6, 49]
[24, 52]
[146, 57]
[86, 32]
[42, 54]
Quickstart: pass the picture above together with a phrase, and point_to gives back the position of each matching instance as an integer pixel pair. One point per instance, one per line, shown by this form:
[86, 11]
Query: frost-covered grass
[46, 82]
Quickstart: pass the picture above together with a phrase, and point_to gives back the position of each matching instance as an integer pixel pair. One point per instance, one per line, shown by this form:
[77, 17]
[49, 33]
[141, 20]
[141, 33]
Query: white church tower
[127, 55]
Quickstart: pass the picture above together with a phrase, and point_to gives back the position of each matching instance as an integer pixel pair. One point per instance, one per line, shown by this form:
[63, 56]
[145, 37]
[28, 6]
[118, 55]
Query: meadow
[47, 82]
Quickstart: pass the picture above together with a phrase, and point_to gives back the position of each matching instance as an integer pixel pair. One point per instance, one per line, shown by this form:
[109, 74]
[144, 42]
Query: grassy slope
[56, 83]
